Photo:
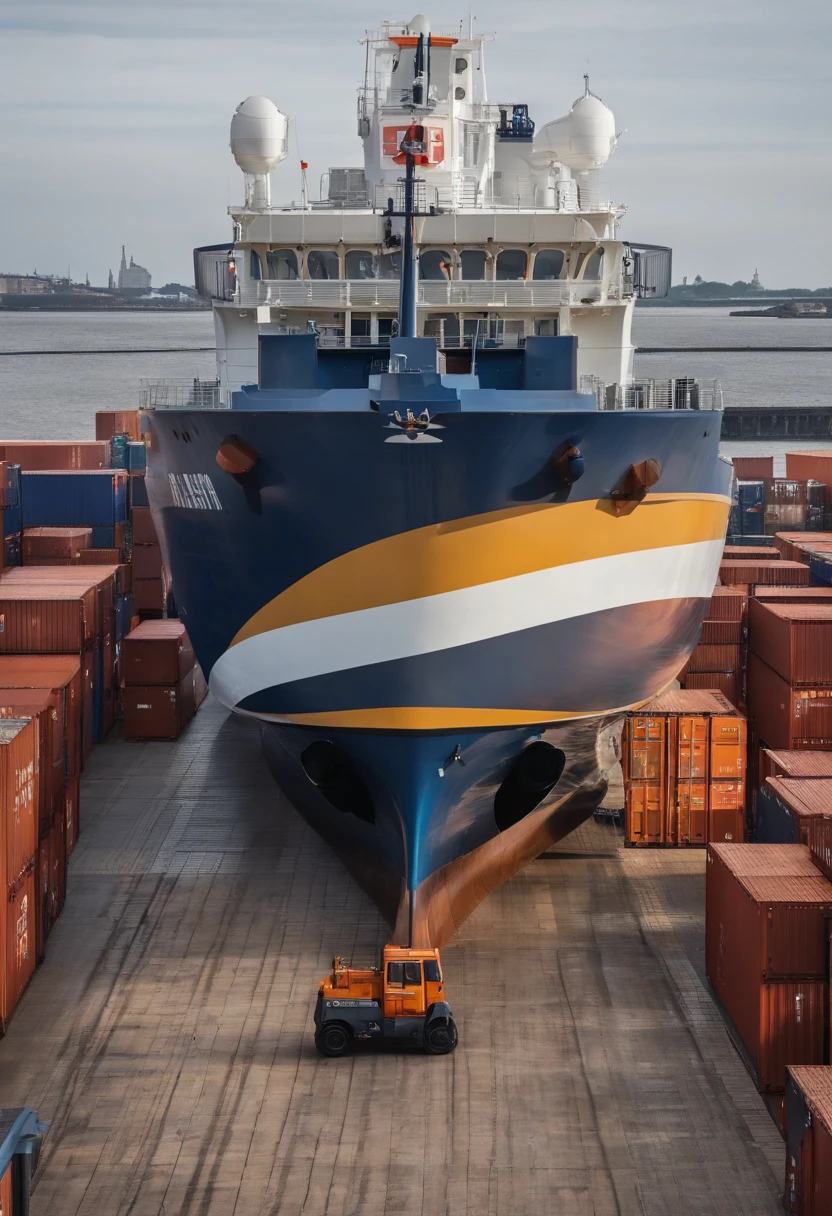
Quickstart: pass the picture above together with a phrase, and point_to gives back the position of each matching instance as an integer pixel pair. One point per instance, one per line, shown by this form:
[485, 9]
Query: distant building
[132, 277]
[23, 285]
[755, 282]
[110, 282]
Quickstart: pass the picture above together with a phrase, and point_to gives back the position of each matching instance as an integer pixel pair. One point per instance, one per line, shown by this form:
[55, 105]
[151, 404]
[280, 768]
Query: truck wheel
[334, 1039]
[441, 1037]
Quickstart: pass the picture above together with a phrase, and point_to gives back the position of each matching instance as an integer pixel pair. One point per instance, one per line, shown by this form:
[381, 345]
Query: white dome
[583, 139]
[418, 25]
[259, 135]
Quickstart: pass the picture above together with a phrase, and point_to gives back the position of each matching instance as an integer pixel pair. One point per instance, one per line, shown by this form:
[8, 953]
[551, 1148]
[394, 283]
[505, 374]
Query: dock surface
[167, 1038]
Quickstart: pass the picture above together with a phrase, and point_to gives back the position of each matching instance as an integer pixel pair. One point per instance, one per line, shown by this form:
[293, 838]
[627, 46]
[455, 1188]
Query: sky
[114, 119]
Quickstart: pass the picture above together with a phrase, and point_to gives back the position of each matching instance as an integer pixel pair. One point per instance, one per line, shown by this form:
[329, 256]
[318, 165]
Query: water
[42, 396]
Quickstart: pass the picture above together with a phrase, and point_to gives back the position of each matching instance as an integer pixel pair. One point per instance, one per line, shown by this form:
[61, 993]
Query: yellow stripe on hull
[486, 548]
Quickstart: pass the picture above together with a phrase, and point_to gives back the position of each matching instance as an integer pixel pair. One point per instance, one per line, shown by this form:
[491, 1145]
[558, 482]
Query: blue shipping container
[118, 451]
[103, 538]
[775, 822]
[77, 498]
[750, 508]
[136, 457]
[138, 492]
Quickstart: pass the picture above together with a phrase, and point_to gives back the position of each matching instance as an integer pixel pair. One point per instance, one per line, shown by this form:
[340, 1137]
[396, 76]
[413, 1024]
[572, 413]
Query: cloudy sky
[114, 119]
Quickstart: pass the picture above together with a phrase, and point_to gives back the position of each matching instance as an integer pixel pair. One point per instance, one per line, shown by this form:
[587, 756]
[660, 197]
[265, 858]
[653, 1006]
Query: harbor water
[98, 360]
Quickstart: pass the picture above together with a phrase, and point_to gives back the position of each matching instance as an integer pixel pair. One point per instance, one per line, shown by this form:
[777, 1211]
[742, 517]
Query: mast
[407, 291]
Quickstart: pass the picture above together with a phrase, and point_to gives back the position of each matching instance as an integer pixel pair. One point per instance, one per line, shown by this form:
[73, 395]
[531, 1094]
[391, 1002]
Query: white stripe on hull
[458, 618]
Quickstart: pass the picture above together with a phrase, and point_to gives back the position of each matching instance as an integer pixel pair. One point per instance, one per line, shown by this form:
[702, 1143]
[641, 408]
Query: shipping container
[138, 492]
[726, 812]
[158, 711]
[93, 498]
[45, 618]
[12, 514]
[727, 683]
[17, 921]
[64, 543]
[816, 466]
[749, 512]
[691, 813]
[787, 542]
[18, 794]
[41, 705]
[806, 765]
[100, 557]
[721, 633]
[787, 717]
[753, 468]
[795, 640]
[159, 652]
[147, 562]
[786, 806]
[644, 810]
[766, 955]
[715, 658]
[793, 595]
[150, 594]
[750, 553]
[144, 529]
[62, 675]
[773, 572]
[44, 455]
[107, 538]
[117, 422]
[136, 457]
[808, 1184]
[727, 604]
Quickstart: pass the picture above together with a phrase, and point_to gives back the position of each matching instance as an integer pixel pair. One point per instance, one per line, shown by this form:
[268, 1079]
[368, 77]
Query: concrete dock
[167, 1037]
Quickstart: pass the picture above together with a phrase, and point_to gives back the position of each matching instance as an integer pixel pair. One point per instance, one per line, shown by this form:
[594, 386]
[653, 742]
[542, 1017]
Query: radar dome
[583, 139]
[418, 25]
[259, 135]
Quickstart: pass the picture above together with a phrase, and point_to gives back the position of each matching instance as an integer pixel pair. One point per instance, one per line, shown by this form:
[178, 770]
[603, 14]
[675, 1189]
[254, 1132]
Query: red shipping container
[72, 815]
[55, 543]
[149, 594]
[810, 466]
[158, 711]
[793, 639]
[721, 633]
[42, 706]
[61, 674]
[804, 799]
[38, 617]
[776, 572]
[766, 957]
[57, 870]
[158, 652]
[18, 795]
[17, 924]
[806, 765]
[787, 542]
[117, 422]
[100, 557]
[753, 468]
[144, 529]
[793, 595]
[808, 1190]
[750, 553]
[43, 455]
[761, 860]
[820, 843]
[727, 604]
[786, 717]
[147, 562]
[728, 683]
[715, 658]
[99, 580]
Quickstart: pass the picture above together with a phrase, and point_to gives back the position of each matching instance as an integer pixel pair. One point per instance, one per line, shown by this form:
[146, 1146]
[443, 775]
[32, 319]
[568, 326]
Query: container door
[693, 749]
[6, 1193]
[647, 739]
[644, 812]
[692, 800]
[726, 812]
[728, 748]
[792, 1029]
[795, 941]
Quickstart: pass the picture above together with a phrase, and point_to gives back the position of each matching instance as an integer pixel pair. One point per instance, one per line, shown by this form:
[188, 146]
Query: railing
[179, 394]
[459, 293]
[683, 393]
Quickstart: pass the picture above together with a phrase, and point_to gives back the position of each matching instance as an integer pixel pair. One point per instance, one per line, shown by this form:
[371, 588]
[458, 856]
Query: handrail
[457, 293]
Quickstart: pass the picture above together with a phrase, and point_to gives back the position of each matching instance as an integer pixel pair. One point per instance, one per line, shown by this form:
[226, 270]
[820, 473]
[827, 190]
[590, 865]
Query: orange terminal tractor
[401, 999]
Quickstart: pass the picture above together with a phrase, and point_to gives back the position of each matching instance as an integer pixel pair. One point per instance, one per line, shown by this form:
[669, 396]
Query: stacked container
[56, 454]
[790, 675]
[95, 498]
[55, 546]
[684, 770]
[717, 662]
[11, 518]
[18, 858]
[162, 688]
[149, 582]
[767, 954]
[808, 1190]
[787, 805]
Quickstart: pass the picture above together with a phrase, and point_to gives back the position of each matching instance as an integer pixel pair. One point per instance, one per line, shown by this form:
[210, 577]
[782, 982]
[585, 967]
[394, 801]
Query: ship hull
[408, 619]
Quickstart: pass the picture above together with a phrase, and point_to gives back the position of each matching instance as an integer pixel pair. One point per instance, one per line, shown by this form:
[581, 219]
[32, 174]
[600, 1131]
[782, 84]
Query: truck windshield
[432, 975]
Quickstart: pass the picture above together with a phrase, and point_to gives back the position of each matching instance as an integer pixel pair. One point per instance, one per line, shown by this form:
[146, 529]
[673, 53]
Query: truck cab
[402, 998]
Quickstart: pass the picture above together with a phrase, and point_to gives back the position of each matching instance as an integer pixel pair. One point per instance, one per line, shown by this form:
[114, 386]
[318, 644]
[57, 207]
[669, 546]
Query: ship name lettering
[194, 491]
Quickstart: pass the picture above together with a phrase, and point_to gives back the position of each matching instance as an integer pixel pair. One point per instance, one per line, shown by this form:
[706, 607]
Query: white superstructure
[515, 235]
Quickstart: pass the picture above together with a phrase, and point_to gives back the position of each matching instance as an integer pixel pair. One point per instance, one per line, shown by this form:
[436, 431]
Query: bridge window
[360, 264]
[254, 265]
[594, 265]
[511, 264]
[435, 264]
[282, 264]
[323, 264]
[473, 263]
[548, 264]
[360, 323]
[390, 265]
[444, 326]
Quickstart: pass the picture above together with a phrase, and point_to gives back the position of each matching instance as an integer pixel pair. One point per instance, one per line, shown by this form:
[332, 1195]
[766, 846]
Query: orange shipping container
[646, 738]
[158, 712]
[147, 562]
[18, 795]
[715, 658]
[776, 573]
[692, 812]
[41, 705]
[17, 924]
[43, 455]
[117, 422]
[753, 468]
[726, 812]
[810, 466]
[62, 675]
[645, 812]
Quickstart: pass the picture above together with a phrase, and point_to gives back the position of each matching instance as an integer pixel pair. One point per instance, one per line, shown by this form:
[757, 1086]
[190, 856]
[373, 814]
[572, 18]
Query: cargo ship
[426, 527]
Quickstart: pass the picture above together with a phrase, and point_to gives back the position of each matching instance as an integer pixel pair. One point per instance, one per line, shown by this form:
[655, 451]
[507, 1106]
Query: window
[435, 264]
[460, 65]
[413, 973]
[470, 146]
[546, 327]
[254, 265]
[282, 264]
[473, 263]
[548, 264]
[322, 264]
[360, 264]
[444, 326]
[395, 973]
[511, 264]
[360, 326]
[390, 265]
[594, 265]
[432, 973]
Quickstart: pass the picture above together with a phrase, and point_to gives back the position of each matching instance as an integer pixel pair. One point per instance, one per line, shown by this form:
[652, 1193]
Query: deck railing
[454, 293]
[179, 394]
